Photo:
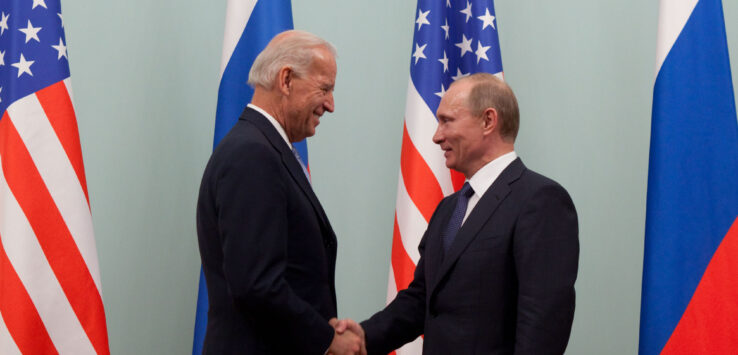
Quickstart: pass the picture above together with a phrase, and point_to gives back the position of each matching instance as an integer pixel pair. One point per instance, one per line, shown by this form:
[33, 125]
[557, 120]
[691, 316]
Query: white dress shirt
[274, 123]
[484, 177]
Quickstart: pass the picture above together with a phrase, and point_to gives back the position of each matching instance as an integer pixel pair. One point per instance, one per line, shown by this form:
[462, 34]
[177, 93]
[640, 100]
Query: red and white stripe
[424, 181]
[50, 298]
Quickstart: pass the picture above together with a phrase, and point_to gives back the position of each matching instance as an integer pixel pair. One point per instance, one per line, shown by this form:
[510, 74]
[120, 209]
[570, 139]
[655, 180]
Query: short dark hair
[489, 91]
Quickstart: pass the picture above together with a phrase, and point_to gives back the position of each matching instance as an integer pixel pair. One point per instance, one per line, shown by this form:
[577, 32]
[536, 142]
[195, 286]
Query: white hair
[295, 50]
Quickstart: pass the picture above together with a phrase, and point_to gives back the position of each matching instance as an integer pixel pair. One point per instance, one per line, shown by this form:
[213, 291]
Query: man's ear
[284, 80]
[490, 120]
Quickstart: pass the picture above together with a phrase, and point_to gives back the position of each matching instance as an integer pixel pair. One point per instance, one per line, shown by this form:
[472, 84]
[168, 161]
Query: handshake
[348, 338]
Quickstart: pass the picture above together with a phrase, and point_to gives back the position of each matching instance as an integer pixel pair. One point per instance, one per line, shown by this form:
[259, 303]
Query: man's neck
[492, 154]
[266, 102]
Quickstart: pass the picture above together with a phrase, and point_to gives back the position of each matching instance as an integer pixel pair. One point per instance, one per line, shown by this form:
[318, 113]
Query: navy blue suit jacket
[506, 284]
[268, 251]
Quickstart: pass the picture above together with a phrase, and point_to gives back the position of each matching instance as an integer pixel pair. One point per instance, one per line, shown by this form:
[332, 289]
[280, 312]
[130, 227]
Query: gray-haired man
[268, 251]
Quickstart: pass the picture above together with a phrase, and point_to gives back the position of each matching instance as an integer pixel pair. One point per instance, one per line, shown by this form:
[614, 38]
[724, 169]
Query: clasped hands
[348, 338]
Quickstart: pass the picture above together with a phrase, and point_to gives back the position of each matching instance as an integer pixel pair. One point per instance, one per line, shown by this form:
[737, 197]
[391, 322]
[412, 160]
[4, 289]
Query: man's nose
[437, 136]
[328, 104]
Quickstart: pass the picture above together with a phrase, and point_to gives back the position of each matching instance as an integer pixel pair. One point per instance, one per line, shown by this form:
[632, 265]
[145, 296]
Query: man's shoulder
[243, 146]
[534, 182]
[535, 178]
[244, 138]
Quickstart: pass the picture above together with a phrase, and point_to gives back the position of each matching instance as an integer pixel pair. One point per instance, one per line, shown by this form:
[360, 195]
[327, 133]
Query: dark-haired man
[499, 258]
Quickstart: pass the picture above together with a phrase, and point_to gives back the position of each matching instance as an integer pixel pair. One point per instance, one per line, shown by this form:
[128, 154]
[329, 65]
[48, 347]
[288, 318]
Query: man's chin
[309, 134]
[450, 162]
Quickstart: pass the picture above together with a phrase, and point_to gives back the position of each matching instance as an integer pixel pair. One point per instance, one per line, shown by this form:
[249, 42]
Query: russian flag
[689, 301]
[249, 26]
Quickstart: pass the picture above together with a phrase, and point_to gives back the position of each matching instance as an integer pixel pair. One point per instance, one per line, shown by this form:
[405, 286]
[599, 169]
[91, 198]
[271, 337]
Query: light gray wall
[145, 80]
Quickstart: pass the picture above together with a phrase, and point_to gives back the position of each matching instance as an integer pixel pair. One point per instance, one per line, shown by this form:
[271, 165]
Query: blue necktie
[457, 217]
[304, 170]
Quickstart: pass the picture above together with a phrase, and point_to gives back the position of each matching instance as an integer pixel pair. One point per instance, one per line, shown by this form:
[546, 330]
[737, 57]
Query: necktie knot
[466, 190]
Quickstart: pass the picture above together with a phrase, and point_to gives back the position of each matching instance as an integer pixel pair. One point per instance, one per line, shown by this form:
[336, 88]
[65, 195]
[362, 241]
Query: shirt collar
[274, 123]
[484, 177]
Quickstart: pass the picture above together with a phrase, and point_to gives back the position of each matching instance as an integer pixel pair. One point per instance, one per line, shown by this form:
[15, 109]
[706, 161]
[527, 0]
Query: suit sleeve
[252, 217]
[403, 319]
[546, 252]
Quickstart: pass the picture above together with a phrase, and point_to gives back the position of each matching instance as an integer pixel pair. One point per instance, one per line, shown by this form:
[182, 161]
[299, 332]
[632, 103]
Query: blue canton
[452, 39]
[33, 52]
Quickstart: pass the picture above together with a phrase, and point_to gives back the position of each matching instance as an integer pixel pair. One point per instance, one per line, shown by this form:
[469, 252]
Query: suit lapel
[288, 159]
[482, 212]
[434, 245]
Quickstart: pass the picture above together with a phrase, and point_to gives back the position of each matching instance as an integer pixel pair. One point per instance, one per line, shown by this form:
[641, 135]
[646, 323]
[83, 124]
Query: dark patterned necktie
[299, 160]
[457, 217]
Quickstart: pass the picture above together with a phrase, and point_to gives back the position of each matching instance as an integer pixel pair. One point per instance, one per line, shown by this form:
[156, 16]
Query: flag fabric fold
[690, 269]
[50, 292]
[452, 39]
[249, 26]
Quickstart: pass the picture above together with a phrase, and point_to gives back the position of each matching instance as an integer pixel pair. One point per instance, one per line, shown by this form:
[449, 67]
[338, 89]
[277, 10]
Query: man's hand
[354, 331]
[347, 324]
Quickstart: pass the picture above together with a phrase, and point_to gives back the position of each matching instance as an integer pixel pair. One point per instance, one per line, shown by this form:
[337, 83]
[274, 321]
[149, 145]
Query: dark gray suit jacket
[268, 251]
[506, 284]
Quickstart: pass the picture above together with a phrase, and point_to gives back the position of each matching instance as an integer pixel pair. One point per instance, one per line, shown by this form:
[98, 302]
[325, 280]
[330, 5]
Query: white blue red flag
[690, 274]
[50, 294]
[249, 26]
[452, 39]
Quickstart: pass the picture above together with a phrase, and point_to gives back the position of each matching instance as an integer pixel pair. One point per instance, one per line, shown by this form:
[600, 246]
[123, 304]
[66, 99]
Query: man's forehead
[460, 85]
[324, 54]
[324, 61]
[455, 96]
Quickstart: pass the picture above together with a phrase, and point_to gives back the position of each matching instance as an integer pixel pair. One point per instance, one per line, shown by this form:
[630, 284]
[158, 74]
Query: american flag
[452, 39]
[50, 300]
